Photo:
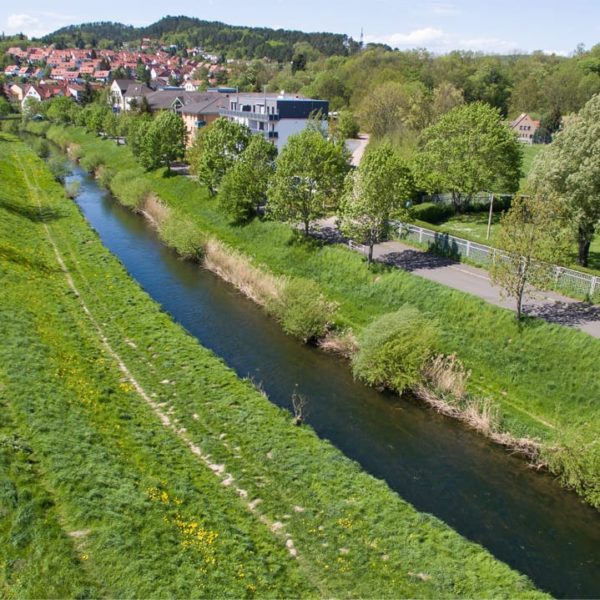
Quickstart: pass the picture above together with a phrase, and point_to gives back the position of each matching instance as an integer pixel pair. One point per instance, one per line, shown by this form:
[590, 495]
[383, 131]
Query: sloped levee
[522, 517]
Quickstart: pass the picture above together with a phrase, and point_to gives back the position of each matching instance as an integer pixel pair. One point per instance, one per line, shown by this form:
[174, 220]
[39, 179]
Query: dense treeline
[185, 32]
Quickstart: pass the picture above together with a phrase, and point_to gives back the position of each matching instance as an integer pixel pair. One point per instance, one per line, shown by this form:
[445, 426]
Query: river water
[522, 517]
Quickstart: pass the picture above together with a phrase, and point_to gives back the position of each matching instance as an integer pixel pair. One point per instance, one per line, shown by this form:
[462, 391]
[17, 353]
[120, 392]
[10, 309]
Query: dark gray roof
[208, 105]
[135, 90]
[163, 99]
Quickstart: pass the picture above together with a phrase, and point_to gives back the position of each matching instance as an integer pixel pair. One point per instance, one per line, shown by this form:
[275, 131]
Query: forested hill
[236, 42]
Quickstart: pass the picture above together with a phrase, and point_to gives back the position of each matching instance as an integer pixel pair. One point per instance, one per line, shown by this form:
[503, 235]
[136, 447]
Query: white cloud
[438, 41]
[418, 37]
[36, 24]
[443, 10]
[487, 44]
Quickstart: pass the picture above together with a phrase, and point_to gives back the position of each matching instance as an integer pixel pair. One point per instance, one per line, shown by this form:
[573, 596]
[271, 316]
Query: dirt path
[219, 470]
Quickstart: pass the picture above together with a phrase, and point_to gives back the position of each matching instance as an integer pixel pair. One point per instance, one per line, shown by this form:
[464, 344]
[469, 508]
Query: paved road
[548, 305]
[357, 147]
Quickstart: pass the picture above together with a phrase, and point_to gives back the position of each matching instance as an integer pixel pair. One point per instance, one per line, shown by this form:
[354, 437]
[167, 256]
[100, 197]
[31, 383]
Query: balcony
[246, 114]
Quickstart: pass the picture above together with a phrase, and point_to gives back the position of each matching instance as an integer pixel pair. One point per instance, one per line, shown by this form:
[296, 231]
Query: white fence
[569, 281]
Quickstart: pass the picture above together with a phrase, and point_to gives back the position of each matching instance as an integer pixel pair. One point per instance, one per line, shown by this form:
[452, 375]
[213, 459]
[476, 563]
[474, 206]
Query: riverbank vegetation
[134, 462]
[539, 379]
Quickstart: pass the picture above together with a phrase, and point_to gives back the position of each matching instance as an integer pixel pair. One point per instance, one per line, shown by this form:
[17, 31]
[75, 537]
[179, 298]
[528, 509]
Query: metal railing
[245, 114]
[569, 281]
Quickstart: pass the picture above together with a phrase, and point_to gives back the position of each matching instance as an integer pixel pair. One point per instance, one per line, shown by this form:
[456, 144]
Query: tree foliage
[216, 149]
[393, 349]
[164, 141]
[532, 236]
[381, 185]
[469, 150]
[244, 188]
[308, 179]
[570, 169]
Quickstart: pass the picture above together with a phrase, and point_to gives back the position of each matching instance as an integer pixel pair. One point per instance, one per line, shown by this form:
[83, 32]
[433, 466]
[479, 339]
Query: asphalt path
[550, 306]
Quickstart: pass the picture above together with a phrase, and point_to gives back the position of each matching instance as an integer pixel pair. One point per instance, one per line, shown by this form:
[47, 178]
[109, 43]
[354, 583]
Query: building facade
[525, 127]
[275, 116]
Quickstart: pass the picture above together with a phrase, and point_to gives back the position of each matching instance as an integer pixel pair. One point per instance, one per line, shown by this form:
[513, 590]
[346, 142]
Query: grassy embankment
[541, 378]
[133, 462]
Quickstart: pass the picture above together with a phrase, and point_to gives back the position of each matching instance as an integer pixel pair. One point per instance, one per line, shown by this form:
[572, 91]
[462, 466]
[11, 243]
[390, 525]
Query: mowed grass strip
[137, 512]
[542, 376]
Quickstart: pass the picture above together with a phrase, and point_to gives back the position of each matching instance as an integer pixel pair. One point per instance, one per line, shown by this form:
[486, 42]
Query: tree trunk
[306, 228]
[370, 254]
[584, 239]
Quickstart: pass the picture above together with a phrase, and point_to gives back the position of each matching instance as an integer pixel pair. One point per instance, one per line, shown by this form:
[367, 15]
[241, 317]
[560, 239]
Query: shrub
[130, 188]
[72, 189]
[59, 167]
[393, 349]
[431, 212]
[303, 310]
[104, 176]
[90, 162]
[182, 235]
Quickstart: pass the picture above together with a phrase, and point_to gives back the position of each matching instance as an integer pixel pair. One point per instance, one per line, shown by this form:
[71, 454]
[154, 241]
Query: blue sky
[492, 25]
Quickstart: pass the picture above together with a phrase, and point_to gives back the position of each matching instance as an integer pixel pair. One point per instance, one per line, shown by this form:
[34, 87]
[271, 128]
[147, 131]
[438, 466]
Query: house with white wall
[525, 127]
[275, 116]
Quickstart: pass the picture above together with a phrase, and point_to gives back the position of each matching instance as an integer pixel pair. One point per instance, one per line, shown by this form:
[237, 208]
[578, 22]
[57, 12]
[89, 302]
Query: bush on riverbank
[130, 188]
[187, 240]
[303, 311]
[393, 349]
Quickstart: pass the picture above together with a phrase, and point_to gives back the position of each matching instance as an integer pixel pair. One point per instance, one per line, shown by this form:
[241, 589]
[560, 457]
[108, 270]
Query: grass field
[530, 151]
[473, 226]
[541, 376]
[133, 462]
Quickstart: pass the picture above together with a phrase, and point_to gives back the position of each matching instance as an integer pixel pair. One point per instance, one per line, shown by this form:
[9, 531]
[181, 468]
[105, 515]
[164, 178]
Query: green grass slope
[543, 377]
[133, 462]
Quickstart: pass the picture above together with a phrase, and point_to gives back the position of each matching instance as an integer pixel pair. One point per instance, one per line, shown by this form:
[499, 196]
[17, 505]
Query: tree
[381, 185]
[136, 127]
[244, 188]
[347, 126]
[96, 117]
[164, 141]
[216, 149]
[469, 150]
[308, 179]
[61, 110]
[533, 238]
[570, 169]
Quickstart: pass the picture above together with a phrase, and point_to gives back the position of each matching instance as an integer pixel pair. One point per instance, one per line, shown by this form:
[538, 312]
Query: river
[522, 517]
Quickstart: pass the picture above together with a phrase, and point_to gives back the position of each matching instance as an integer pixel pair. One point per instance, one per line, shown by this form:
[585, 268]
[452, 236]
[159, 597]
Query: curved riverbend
[522, 517]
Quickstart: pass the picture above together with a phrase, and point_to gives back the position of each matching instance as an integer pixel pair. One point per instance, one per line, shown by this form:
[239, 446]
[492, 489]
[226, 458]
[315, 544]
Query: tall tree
[216, 149]
[244, 188]
[532, 236]
[469, 150]
[164, 141]
[570, 168]
[381, 185]
[308, 180]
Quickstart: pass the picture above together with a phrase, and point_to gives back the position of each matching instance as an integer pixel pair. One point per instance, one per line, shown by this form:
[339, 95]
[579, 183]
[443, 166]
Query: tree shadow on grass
[45, 214]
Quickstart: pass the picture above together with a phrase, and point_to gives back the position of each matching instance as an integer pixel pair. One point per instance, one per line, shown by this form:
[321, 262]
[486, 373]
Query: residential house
[203, 111]
[275, 116]
[124, 91]
[12, 70]
[525, 127]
